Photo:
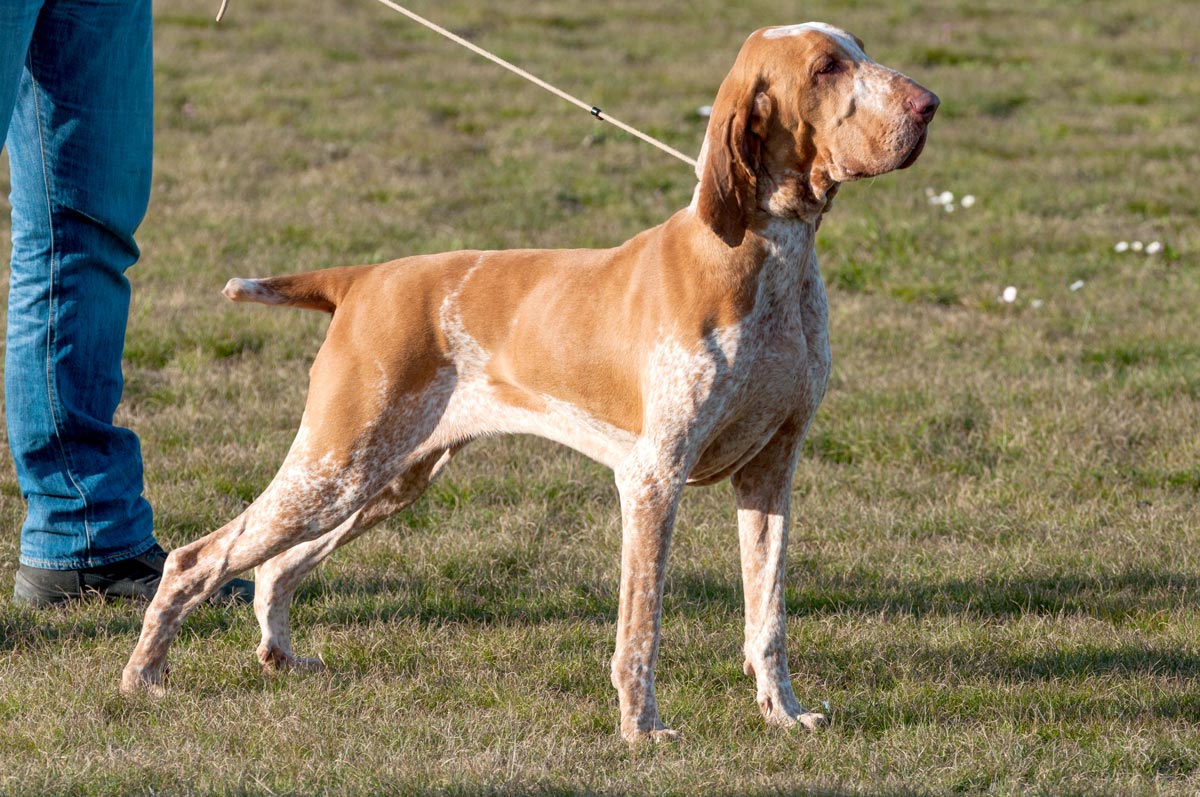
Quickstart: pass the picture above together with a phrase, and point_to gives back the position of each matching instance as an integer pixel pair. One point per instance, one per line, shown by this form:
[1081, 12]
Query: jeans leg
[80, 149]
[17, 18]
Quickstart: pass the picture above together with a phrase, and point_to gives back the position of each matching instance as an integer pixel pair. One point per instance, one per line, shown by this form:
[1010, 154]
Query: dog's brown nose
[923, 104]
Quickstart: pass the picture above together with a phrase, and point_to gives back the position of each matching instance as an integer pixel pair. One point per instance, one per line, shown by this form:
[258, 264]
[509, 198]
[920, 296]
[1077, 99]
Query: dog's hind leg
[366, 420]
[277, 578]
[305, 499]
[318, 490]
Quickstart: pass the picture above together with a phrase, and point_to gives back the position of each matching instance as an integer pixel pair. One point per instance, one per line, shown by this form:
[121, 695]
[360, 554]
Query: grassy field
[995, 560]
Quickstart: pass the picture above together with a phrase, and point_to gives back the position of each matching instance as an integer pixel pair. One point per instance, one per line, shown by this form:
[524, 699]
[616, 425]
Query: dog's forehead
[844, 39]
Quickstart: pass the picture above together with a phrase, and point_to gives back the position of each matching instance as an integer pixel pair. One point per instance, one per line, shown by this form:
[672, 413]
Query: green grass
[994, 574]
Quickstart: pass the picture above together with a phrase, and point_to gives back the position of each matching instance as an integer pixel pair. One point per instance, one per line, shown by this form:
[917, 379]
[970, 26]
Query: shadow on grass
[84, 621]
[30, 628]
[484, 598]
[517, 599]
[348, 601]
[1111, 596]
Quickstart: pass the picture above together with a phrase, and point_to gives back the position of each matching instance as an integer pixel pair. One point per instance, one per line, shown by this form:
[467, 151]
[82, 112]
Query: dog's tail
[316, 290]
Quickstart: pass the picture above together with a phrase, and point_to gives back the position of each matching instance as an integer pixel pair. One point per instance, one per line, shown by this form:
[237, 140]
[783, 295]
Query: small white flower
[929, 192]
[945, 198]
[1154, 247]
[1076, 285]
[1036, 303]
[968, 200]
[1122, 246]
[704, 111]
[949, 207]
[1136, 246]
[1009, 295]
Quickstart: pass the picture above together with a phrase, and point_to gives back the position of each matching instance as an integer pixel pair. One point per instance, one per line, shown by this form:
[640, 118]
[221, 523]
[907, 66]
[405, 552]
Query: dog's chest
[778, 361]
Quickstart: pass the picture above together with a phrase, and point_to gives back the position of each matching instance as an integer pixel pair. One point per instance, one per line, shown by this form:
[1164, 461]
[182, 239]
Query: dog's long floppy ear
[732, 148]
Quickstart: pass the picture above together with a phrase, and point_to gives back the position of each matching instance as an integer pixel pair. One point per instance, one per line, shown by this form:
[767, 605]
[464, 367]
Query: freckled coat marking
[694, 352]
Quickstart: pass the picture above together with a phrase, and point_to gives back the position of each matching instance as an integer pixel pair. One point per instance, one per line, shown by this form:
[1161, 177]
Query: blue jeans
[76, 79]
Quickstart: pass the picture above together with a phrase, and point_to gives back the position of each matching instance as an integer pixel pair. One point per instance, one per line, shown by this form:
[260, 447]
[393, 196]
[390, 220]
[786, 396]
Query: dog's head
[803, 110]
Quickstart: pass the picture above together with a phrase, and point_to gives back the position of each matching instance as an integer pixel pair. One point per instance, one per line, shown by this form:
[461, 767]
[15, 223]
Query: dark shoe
[137, 577]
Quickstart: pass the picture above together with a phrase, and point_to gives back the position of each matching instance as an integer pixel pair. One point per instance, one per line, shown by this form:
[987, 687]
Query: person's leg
[17, 18]
[79, 146]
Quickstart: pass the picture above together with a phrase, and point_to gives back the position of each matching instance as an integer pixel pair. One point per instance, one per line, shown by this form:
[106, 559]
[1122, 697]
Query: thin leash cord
[592, 109]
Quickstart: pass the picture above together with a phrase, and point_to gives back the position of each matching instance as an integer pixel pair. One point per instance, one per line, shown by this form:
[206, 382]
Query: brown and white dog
[697, 351]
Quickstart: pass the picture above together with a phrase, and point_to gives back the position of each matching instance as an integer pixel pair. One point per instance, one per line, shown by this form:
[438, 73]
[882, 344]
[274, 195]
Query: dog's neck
[804, 194]
[775, 260]
[775, 253]
[788, 245]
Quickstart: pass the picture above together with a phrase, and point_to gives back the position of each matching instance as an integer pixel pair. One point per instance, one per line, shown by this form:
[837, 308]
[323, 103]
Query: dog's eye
[829, 67]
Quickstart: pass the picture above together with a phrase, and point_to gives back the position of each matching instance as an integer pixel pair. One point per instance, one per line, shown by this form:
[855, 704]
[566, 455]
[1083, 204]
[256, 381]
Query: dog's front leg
[649, 500]
[763, 489]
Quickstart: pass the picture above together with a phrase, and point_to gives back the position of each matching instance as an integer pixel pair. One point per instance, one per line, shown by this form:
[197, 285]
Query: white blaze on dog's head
[848, 40]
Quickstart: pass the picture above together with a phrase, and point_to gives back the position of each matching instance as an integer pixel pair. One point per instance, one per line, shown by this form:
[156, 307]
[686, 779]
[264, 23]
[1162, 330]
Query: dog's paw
[658, 735]
[278, 666]
[666, 735]
[789, 714]
[813, 721]
[139, 681]
[274, 660]
[308, 665]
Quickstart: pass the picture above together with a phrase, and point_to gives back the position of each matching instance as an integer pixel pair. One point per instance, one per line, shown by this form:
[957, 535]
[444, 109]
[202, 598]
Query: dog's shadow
[1119, 598]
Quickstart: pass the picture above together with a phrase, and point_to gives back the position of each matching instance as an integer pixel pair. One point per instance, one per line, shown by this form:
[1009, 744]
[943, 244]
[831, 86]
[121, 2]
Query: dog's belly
[735, 445]
[788, 386]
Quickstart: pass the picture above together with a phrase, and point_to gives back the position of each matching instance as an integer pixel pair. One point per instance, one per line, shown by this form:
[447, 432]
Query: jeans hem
[83, 564]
